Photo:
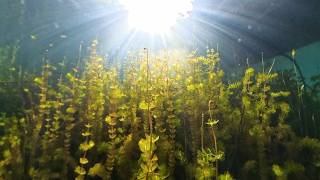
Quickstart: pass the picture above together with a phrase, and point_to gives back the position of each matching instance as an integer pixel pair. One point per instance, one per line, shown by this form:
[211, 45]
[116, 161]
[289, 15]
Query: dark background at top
[241, 28]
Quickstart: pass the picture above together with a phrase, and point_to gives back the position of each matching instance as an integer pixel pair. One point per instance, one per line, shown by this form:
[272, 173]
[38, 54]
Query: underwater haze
[160, 89]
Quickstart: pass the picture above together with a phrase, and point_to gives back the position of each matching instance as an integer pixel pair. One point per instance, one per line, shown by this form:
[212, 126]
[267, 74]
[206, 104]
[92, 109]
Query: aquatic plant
[10, 143]
[205, 164]
[304, 101]
[72, 91]
[92, 113]
[153, 118]
[148, 159]
[225, 176]
[114, 102]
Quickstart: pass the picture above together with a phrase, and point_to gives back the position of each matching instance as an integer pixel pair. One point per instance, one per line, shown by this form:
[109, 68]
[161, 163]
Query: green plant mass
[155, 117]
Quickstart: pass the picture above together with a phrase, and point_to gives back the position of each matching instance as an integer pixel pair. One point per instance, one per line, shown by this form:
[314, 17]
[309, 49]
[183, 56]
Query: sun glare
[156, 16]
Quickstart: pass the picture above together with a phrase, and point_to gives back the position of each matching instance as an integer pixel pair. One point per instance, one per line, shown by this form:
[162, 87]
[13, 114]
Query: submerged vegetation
[153, 118]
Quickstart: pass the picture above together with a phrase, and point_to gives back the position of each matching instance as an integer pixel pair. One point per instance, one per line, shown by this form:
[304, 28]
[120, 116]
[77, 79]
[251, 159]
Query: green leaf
[212, 122]
[277, 170]
[191, 87]
[71, 110]
[293, 53]
[144, 144]
[88, 125]
[86, 145]
[84, 160]
[80, 170]
[85, 134]
[234, 85]
[249, 72]
[225, 176]
[98, 170]
[38, 81]
[143, 105]
[116, 93]
[108, 120]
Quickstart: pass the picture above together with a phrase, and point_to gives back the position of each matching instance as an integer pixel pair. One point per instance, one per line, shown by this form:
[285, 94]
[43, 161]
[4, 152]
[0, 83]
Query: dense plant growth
[154, 117]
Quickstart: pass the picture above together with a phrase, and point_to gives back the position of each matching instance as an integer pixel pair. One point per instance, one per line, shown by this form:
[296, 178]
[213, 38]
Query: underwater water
[202, 89]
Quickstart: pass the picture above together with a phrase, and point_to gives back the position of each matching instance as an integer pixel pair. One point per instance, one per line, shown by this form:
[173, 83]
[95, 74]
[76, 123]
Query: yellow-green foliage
[10, 143]
[206, 164]
[92, 112]
[149, 118]
[226, 176]
[148, 160]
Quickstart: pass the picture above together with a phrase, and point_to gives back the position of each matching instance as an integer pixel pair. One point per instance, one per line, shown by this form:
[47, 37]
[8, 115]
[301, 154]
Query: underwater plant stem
[79, 56]
[304, 123]
[216, 150]
[214, 139]
[271, 67]
[194, 120]
[148, 110]
[262, 62]
[293, 60]
[201, 130]
[148, 95]
[185, 135]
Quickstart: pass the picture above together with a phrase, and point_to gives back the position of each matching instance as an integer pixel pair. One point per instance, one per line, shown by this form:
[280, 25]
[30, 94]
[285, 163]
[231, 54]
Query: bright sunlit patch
[156, 16]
